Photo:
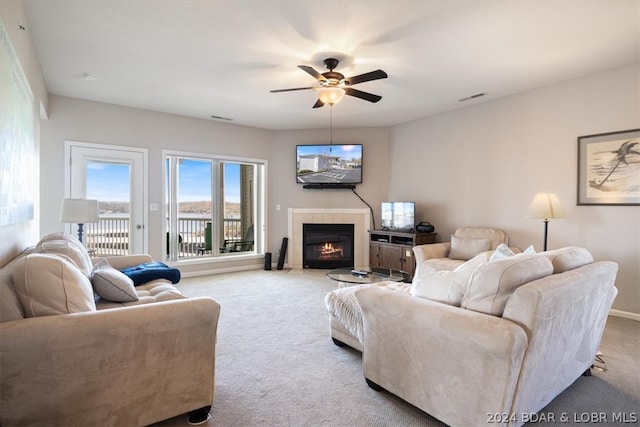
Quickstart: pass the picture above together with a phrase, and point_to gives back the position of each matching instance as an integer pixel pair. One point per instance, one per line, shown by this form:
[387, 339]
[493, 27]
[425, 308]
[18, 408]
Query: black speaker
[425, 227]
[267, 261]
[283, 253]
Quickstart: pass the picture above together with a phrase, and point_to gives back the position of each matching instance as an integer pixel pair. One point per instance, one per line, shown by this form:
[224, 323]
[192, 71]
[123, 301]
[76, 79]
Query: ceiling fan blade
[362, 95]
[318, 104]
[289, 90]
[316, 75]
[372, 75]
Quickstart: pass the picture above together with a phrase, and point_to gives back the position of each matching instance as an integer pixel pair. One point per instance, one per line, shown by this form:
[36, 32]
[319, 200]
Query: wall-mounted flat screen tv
[398, 216]
[329, 164]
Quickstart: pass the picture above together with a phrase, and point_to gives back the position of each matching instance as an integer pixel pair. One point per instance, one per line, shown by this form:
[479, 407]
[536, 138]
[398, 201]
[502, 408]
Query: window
[214, 206]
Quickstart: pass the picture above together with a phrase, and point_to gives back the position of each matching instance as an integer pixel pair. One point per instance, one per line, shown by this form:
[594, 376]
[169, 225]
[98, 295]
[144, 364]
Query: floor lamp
[79, 211]
[546, 206]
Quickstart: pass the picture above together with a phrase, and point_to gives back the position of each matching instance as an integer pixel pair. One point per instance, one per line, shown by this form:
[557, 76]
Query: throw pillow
[503, 251]
[568, 258]
[148, 271]
[465, 248]
[440, 286]
[49, 284]
[76, 251]
[111, 284]
[444, 286]
[492, 283]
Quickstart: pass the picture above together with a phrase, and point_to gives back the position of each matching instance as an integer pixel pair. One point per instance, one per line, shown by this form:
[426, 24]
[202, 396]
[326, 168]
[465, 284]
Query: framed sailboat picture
[609, 168]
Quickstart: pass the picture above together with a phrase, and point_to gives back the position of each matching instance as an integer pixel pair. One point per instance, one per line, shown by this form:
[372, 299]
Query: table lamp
[79, 211]
[546, 206]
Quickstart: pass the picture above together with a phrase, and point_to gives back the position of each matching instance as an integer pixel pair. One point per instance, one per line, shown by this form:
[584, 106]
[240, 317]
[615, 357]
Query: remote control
[360, 272]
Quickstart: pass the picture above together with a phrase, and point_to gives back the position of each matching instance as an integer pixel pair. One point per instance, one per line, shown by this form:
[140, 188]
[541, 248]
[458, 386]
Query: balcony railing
[110, 236]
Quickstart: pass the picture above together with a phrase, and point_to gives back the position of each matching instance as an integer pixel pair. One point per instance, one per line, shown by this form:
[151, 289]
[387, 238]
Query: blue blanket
[148, 271]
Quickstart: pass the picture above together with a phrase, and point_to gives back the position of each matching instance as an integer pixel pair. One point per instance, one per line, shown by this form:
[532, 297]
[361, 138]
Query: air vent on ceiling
[477, 95]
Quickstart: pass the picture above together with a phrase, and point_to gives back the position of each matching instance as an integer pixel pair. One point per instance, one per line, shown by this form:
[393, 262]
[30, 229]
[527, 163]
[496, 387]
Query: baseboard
[229, 270]
[625, 314]
[223, 270]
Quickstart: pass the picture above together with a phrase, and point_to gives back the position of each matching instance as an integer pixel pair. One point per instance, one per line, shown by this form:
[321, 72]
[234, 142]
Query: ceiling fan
[334, 85]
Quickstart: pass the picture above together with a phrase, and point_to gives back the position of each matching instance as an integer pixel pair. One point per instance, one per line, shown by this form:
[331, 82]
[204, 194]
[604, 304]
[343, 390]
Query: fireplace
[327, 245]
[359, 217]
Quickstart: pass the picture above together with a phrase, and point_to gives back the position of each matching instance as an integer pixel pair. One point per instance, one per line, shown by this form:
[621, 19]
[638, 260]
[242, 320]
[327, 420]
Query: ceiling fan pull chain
[331, 124]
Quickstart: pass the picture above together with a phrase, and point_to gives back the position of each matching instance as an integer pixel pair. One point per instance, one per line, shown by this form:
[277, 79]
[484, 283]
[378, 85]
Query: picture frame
[609, 168]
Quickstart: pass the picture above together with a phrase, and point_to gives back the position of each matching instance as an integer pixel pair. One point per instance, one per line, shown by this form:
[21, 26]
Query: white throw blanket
[341, 303]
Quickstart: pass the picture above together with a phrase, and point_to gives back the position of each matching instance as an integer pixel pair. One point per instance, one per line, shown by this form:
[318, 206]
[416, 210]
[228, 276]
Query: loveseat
[522, 330]
[69, 357]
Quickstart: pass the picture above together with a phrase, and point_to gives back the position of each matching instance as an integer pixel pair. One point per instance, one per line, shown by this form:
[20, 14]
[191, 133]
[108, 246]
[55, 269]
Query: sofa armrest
[566, 312]
[434, 250]
[436, 356]
[124, 261]
[127, 366]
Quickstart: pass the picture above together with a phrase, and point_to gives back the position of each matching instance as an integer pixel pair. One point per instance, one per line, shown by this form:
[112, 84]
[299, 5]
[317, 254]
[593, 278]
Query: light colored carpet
[277, 366]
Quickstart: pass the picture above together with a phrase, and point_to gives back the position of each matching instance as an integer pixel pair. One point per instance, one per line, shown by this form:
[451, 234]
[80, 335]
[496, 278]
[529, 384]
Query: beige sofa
[525, 329]
[64, 361]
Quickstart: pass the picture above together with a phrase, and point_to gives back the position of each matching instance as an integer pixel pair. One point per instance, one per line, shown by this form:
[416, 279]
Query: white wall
[483, 164]
[15, 237]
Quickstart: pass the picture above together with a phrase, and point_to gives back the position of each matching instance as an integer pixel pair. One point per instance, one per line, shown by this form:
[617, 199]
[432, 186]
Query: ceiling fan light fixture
[330, 95]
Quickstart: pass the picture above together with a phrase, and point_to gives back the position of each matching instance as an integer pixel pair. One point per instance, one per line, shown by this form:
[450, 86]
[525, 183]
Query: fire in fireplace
[327, 245]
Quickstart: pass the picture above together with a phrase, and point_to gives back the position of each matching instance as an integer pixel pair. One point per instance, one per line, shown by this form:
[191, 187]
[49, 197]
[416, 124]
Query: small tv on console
[329, 165]
[399, 216]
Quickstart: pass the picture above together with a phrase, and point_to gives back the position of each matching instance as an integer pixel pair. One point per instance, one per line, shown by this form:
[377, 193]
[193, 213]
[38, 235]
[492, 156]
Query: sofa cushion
[112, 284]
[466, 248]
[70, 248]
[155, 291]
[492, 283]
[48, 284]
[58, 235]
[10, 307]
[568, 258]
[443, 286]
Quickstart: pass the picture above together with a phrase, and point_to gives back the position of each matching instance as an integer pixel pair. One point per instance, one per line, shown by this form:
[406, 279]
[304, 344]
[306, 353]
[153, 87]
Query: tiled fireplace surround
[360, 218]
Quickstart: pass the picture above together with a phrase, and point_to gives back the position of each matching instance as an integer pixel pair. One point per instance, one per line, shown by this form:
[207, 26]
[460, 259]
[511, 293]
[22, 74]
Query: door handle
[139, 226]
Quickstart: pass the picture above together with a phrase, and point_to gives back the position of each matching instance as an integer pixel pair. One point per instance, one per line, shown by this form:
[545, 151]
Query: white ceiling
[203, 57]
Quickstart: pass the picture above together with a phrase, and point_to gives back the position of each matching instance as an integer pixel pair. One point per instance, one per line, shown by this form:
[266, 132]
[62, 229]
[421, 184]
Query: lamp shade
[330, 95]
[79, 211]
[546, 206]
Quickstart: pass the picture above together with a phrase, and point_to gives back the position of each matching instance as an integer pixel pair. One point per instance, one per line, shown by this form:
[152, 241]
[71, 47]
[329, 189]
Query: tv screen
[329, 164]
[398, 215]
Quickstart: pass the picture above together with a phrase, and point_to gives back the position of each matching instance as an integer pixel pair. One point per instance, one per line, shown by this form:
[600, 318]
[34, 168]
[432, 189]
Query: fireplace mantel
[360, 218]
